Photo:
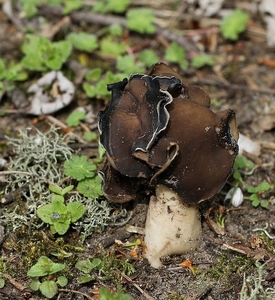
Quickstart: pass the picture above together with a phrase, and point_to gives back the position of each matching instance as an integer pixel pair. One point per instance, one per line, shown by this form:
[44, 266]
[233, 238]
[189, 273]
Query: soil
[242, 79]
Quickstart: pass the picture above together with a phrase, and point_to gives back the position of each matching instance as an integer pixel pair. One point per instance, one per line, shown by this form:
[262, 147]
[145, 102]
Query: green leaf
[2, 283]
[35, 284]
[49, 289]
[58, 205]
[62, 227]
[107, 295]
[237, 176]
[101, 151]
[116, 30]
[56, 267]
[83, 41]
[264, 203]
[14, 73]
[67, 189]
[140, 20]
[57, 54]
[62, 281]
[75, 117]
[45, 213]
[41, 268]
[94, 74]
[234, 24]
[109, 45]
[118, 6]
[262, 187]
[86, 266]
[90, 187]
[104, 6]
[33, 63]
[54, 2]
[241, 162]
[30, 7]
[148, 57]
[76, 209]
[89, 89]
[71, 5]
[203, 60]
[90, 136]
[176, 54]
[79, 168]
[128, 65]
[255, 200]
[86, 278]
[255, 203]
[55, 189]
[41, 54]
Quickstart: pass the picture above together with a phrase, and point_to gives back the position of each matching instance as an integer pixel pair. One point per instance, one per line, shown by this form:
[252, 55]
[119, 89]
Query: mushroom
[157, 131]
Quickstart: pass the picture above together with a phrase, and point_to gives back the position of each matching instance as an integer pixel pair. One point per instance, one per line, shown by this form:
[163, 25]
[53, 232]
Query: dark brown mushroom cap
[207, 151]
[157, 128]
[191, 92]
[133, 120]
[117, 187]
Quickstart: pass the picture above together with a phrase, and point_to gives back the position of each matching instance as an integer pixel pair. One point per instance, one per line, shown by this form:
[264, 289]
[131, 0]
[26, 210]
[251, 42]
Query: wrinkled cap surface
[160, 131]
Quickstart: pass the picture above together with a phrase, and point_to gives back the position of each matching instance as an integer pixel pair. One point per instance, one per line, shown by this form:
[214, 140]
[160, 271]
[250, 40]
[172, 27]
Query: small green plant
[107, 295]
[107, 266]
[41, 54]
[257, 193]
[148, 57]
[242, 165]
[57, 213]
[9, 74]
[117, 6]
[75, 117]
[89, 184]
[140, 20]
[29, 7]
[90, 136]
[71, 5]
[83, 41]
[79, 168]
[95, 88]
[128, 65]
[176, 54]
[203, 60]
[234, 24]
[45, 268]
[86, 266]
[111, 45]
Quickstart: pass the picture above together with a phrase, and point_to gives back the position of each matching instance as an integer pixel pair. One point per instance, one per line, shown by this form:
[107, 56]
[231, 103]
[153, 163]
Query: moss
[228, 264]
[26, 246]
[176, 296]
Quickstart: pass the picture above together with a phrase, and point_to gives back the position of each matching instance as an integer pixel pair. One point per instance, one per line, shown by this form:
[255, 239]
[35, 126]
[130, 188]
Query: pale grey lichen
[99, 213]
[42, 155]
[253, 288]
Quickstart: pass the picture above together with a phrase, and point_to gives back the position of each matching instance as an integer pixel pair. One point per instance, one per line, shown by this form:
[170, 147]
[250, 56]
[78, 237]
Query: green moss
[176, 296]
[26, 246]
[228, 264]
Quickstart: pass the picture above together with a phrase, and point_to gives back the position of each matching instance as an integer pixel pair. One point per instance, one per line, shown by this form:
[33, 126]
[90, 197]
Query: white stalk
[172, 227]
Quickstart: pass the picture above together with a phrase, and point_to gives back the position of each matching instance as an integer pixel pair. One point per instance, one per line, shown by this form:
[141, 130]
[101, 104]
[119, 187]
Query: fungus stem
[172, 227]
